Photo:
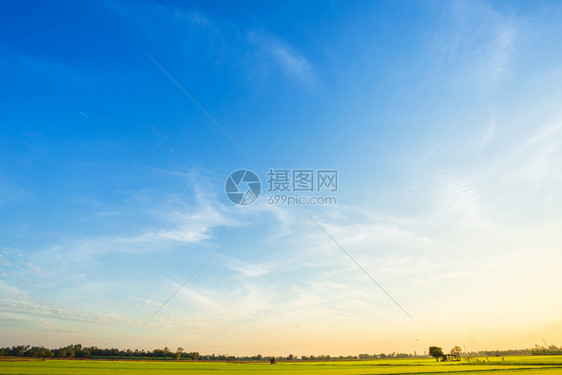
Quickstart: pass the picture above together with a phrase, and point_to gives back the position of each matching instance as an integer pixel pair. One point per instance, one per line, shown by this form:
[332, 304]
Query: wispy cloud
[260, 49]
[486, 137]
[283, 55]
[477, 43]
[248, 270]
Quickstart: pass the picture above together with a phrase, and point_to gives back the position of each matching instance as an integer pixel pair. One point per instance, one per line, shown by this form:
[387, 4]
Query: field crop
[547, 365]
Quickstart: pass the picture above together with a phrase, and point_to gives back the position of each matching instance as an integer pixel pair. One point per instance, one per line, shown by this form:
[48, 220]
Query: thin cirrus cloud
[274, 52]
[473, 211]
[480, 42]
[260, 49]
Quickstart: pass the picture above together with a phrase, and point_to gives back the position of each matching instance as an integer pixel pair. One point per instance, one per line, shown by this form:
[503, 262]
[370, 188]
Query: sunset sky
[121, 121]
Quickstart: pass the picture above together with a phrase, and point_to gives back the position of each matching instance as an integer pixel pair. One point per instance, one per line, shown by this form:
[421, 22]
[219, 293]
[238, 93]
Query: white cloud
[33, 266]
[476, 43]
[246, 269]
[264, 51]
[283, 55]
[486, 136]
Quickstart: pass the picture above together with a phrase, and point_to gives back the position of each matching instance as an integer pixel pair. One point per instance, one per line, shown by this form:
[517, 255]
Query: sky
[121, 121]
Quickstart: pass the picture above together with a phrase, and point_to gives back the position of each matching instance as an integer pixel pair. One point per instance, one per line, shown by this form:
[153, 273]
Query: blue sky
[112, 179]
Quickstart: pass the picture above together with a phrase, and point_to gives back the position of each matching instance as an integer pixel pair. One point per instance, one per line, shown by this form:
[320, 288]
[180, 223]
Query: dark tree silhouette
[436, 351]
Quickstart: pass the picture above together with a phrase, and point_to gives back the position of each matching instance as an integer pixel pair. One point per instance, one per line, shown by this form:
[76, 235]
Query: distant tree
[436, 352]
[456, 352]
[19, 351]
[166, 351]
[291, 357]
[178, 353]
[273, 360]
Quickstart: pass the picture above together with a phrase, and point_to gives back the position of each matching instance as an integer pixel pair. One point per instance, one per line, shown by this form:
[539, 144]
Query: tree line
[78, 351]
[537, 350]
[456, 352]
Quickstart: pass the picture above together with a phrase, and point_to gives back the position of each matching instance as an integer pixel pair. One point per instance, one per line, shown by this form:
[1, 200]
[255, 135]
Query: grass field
[546, 365]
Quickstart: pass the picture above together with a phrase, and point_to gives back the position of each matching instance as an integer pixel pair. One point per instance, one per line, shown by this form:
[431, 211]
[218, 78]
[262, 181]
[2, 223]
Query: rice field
[540, 365]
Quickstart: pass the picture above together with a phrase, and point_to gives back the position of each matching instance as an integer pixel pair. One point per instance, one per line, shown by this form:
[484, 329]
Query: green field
[511, 365]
